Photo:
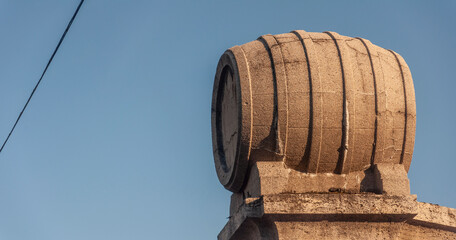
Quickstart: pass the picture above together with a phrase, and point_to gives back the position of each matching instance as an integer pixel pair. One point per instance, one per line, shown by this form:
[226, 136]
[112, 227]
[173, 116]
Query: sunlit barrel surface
[319, 102]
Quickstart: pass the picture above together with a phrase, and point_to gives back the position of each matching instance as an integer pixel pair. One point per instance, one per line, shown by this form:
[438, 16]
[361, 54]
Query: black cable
[42, 75]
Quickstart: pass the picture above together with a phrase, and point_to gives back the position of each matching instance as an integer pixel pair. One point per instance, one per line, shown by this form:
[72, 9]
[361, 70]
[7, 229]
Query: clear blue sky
[116, 143]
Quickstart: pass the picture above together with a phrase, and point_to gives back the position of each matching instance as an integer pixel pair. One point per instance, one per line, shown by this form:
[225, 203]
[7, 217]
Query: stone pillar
[314, 133]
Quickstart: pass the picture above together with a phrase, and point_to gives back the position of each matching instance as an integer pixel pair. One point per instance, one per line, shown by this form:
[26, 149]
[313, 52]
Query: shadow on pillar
[257, 229]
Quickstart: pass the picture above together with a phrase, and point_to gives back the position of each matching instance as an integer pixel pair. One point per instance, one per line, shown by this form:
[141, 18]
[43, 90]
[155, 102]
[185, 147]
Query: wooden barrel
[319, 102]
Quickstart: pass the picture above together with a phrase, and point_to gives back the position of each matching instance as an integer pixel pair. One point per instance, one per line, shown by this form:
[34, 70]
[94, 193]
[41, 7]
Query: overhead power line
[42, 75]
